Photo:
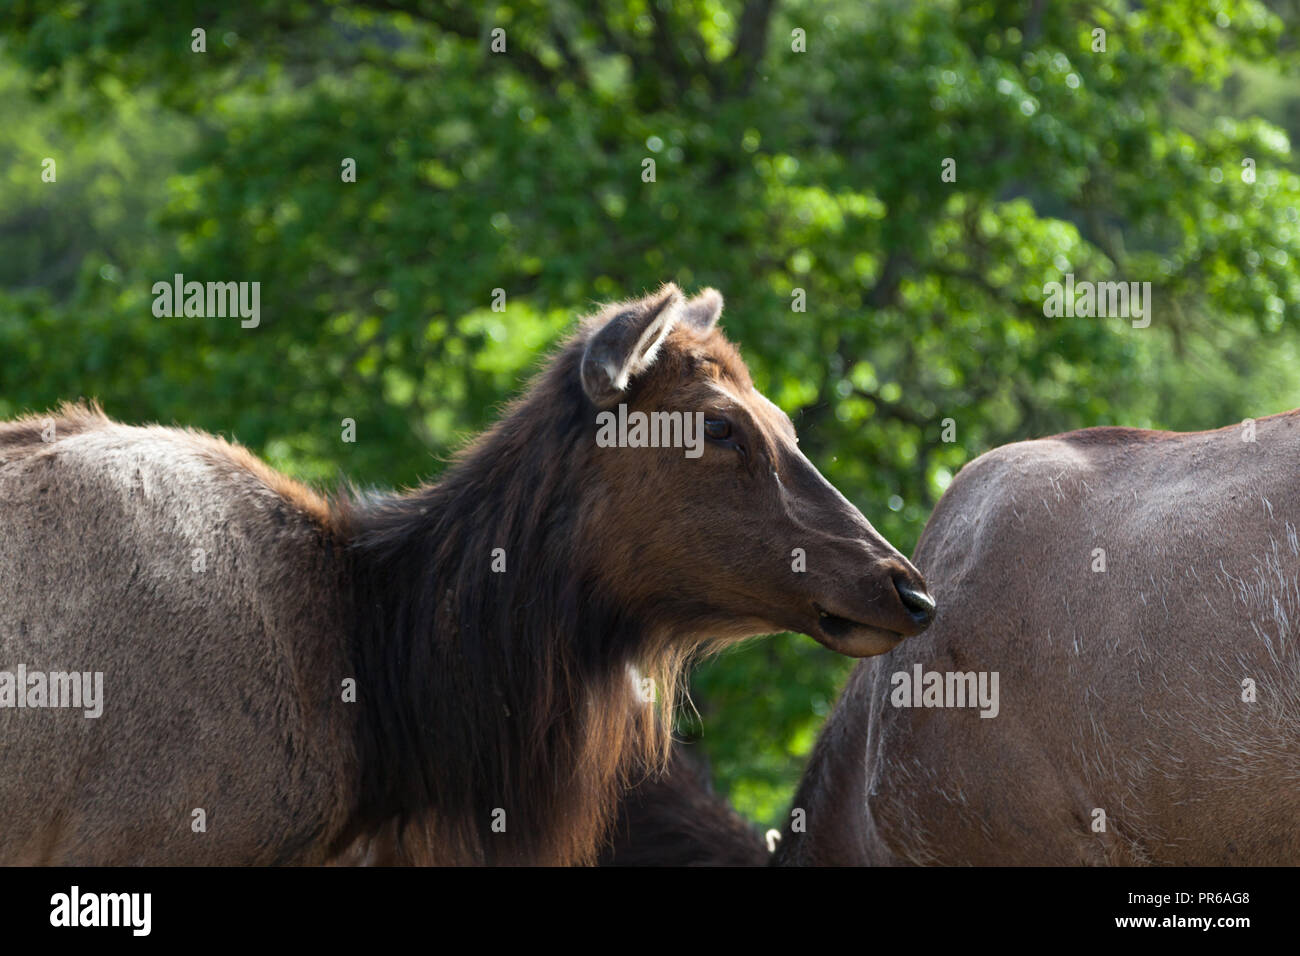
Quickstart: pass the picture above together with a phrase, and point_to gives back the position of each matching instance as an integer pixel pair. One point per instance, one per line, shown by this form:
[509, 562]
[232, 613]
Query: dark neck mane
[482, 691]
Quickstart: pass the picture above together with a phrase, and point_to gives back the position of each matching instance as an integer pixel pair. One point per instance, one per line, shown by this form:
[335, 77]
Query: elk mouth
[852, 638]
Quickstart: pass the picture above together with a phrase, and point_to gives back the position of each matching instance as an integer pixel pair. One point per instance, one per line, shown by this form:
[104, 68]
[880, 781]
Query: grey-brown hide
[1121, 691]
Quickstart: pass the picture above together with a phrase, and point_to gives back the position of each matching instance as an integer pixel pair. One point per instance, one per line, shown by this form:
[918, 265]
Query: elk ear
[627, 344]
[704, 310]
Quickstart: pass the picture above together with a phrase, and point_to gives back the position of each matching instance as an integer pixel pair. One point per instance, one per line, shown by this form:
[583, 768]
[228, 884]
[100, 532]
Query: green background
[775, 170]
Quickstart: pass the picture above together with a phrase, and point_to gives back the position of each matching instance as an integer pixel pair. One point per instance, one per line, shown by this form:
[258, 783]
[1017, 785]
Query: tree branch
[751, 41]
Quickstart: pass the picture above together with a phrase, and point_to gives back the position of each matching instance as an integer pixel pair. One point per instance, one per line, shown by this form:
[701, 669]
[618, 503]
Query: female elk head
[502, 607]
[701, 505]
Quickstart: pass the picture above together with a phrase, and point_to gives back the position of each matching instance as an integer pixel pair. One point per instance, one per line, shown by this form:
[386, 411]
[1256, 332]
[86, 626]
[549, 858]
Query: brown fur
[674, 818]
[477, 691]
[221, 687]
[669, 818]
[1120, 691]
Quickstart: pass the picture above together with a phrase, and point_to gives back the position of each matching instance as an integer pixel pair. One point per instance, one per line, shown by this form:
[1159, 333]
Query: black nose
[919, 604]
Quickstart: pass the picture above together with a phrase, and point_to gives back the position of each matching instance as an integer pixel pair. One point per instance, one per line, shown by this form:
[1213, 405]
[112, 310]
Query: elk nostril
[919, 604]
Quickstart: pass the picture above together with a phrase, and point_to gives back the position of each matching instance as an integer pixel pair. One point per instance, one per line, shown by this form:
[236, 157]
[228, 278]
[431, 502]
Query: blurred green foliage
[776, 170]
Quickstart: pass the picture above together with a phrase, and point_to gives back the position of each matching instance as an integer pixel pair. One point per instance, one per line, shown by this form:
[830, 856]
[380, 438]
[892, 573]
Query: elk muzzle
[860, 616]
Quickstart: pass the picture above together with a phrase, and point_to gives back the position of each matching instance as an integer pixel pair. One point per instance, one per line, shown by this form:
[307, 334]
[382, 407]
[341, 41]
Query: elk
[285, 674]
[1139, 593]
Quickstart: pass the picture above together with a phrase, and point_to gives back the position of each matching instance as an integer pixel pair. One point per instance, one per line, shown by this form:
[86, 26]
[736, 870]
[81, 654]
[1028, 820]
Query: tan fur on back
[102, 525]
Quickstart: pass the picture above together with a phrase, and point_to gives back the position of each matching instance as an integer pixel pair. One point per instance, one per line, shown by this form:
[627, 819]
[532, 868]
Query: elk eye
[717, 428]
